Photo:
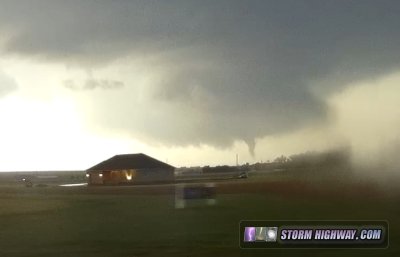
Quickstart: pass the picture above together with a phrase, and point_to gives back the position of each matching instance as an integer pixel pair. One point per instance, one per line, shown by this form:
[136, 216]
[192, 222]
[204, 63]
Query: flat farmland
[143, 221]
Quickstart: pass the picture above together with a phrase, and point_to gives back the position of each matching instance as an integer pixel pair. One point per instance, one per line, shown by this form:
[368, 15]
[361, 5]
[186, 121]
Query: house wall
[116, 177]
[130, 176]
[95, 179]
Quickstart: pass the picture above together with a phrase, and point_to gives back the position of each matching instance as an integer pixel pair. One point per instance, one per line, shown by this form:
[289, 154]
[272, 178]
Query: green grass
[75, 222]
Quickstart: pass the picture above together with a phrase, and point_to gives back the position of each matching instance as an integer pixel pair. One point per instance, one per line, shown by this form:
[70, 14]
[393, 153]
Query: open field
[142, 220]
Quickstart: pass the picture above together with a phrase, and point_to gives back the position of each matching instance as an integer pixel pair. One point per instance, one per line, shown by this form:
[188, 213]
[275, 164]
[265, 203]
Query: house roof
[130, 161]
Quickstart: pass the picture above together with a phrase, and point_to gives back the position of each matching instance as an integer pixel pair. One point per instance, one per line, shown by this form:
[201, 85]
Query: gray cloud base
[236, 70]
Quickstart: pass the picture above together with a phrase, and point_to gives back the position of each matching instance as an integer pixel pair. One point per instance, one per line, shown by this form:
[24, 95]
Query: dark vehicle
[243, 175]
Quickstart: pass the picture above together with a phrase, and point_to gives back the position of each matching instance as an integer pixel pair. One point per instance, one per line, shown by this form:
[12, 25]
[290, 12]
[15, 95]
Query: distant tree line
[333, 158]
[326, 159]
[226, 168]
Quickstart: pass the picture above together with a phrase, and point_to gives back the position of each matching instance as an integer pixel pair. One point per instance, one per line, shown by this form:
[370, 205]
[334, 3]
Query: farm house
[130, 169]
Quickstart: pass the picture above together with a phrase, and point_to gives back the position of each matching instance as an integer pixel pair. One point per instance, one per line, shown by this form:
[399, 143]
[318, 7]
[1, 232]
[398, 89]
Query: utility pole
[237, 160]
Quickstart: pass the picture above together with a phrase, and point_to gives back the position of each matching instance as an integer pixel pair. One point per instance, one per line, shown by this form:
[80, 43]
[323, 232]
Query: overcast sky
[195, 82]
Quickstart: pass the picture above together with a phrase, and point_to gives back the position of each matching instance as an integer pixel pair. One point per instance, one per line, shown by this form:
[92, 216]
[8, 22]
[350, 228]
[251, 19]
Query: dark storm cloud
[233, 69]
